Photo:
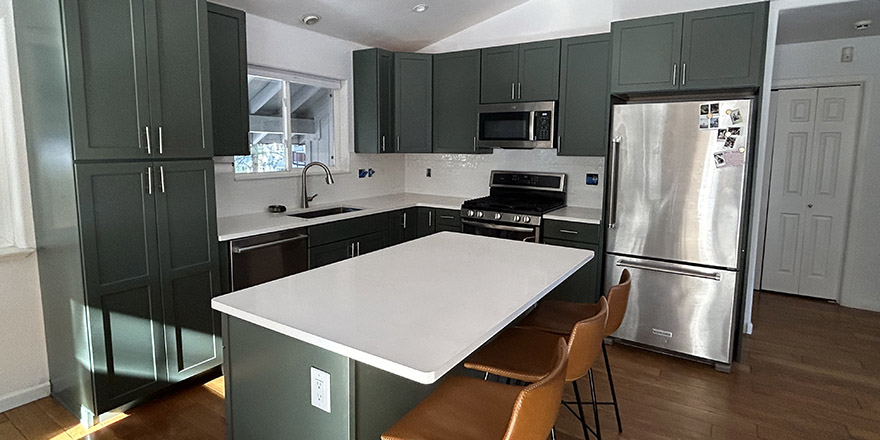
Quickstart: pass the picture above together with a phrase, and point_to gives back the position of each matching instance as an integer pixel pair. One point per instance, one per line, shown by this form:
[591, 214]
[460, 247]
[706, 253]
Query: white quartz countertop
[240, 226]
[576, 214]
[417, 309]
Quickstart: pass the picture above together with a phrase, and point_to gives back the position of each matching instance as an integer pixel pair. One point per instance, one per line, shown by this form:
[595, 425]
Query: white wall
[281, 46]
[547, 19]
[24, 371]
[819, 63]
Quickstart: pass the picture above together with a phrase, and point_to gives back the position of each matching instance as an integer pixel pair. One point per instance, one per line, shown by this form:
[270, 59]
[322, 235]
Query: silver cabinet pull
[447, 217]
[512, 90]
[398, 144]
[383, 143]
[431, 217]
[716, 276]
[149, 143]
[404, 220]
[358, 248]
[475, 143]
[518, 90]
[684, 73]
[568, 231]
[675, 74]
[162, 178]
[559, 143]
[240, 250]
[150, 180]
[160, 141]
[351, 250]
[612, 182]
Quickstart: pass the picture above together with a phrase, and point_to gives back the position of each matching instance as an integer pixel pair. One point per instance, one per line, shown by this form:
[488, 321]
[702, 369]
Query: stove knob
[479, 213]
[497, 216]
[516, 218]
[527, 219]
[470, 212]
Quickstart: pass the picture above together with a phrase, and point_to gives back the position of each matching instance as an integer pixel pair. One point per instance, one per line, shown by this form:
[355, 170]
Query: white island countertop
[417, 309]
[247, 225]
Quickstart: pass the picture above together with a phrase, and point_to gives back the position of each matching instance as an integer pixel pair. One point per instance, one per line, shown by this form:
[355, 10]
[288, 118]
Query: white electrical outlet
[320, 389]
[846, 55]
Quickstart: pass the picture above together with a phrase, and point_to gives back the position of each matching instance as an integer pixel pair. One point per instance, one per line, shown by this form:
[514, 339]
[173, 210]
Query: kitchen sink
[325, 212]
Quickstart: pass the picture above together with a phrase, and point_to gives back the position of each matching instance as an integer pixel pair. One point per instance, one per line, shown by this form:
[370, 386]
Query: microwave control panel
[543, 125]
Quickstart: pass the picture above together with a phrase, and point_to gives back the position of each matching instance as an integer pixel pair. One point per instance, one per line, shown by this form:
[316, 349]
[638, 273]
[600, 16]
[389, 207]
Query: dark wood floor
[810, 371]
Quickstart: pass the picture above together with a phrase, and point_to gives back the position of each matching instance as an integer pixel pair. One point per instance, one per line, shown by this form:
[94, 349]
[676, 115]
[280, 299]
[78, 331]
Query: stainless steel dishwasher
[262, 258]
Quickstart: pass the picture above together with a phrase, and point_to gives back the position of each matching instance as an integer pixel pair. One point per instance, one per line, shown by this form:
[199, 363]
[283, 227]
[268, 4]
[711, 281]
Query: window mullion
[285, 121]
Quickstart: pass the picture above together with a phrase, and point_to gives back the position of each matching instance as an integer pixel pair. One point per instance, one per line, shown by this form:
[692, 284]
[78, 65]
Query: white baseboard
[27, 395]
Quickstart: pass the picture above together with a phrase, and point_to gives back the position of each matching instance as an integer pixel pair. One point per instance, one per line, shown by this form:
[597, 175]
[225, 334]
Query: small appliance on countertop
[515, 205]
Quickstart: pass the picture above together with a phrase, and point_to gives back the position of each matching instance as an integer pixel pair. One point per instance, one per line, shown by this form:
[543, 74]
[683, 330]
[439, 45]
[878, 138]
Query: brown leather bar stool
[560, 316]
[526, 355]
[465, 408]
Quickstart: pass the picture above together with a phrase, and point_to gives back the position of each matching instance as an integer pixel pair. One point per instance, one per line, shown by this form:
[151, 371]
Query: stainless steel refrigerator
[676, 198]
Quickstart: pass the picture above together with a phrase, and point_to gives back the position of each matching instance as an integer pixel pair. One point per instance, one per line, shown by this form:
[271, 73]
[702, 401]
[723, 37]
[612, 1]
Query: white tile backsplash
[237, 197]
[467, 175]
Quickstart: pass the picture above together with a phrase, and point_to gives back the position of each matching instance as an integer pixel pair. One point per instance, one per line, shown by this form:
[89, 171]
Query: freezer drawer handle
[240, 250]
[686, 272]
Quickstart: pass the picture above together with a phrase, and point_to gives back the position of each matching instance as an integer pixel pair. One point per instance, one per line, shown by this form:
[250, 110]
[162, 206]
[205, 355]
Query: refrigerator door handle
[716, 276]
[612, 182]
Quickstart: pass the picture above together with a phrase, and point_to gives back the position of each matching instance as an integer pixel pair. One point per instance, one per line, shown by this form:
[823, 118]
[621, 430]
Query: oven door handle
[498, 227]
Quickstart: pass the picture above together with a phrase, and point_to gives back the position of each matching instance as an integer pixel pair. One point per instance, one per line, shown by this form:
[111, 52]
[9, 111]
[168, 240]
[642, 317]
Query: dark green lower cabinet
[427, 224]
[341, 250]
[584, 285]
[151, 268]
[433, 220]
[403, 225]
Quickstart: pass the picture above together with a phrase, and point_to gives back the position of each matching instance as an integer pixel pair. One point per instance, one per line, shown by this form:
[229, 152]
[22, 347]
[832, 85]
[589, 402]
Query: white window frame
[341, 153]
[16, 224]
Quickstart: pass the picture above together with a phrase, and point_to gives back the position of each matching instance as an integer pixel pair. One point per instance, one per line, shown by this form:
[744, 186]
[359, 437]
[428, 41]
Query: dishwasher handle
[241, 250]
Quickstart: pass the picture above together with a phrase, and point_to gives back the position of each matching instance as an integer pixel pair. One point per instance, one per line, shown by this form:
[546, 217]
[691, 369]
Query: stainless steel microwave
[517, 125]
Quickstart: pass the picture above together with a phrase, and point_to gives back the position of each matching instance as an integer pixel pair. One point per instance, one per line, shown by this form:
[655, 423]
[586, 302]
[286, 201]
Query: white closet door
[828, 190]
[788, 187]
[810, 185]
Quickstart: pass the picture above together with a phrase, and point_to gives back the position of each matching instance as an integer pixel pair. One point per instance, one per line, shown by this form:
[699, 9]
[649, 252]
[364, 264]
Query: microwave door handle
[532, 126]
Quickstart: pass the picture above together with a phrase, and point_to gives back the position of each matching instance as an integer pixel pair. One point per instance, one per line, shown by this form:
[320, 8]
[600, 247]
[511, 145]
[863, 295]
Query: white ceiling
[389, 24]
[827, 22]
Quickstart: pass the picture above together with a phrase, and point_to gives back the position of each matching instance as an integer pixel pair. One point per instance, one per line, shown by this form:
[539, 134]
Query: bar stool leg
[595, 405]
[553, 433]
[580, 405]
[613, 394]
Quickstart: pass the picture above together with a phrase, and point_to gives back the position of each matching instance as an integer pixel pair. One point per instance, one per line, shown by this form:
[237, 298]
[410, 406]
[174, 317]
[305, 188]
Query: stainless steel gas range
[515, 205]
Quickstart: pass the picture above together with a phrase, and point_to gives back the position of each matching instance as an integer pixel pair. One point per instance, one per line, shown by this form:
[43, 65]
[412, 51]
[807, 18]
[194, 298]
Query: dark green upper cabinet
[720, 48]
[539, 71]
[734, 57]
[521, 72]
[646, 54]
[139, 79]
[373, 101]
[107, 71]
[456, 100]
[412, 102]
[189, 265]
[121, 266]
[180, 100]
[584, 99]
[500, 74]
[227, 46]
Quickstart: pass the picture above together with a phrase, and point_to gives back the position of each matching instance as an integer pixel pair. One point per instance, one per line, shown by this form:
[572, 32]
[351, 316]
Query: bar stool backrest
[537, 405]
[618, 297]
[585, 343]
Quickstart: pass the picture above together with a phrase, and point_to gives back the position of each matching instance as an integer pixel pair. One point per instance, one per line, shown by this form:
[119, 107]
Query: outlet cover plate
[320, 386]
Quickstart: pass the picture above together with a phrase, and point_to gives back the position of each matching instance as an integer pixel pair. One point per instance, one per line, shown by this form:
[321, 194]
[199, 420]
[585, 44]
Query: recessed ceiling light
[862, 25]
[421, 7]
[310, 19]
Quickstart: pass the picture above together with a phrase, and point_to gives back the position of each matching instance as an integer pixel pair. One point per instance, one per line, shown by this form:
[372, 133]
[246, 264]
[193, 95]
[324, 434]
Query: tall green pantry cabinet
[118, 127]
